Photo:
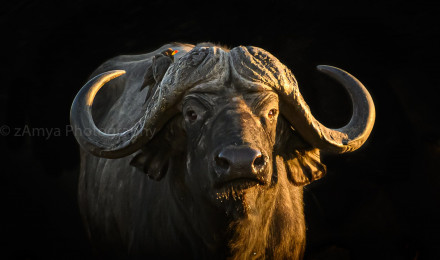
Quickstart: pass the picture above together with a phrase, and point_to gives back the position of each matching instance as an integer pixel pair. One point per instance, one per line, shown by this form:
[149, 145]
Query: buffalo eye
[272, 113]
[191, 115]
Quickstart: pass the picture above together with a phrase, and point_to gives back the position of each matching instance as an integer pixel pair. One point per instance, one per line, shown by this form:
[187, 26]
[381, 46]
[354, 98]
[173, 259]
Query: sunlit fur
[275, 227]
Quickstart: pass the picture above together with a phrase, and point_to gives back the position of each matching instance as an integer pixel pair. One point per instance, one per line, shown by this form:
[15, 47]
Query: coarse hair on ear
[304, 167]
[155, 156]
[302, 162]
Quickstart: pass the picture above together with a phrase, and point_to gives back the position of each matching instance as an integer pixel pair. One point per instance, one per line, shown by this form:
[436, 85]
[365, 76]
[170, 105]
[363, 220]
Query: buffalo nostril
[259, 161]
[222, 162]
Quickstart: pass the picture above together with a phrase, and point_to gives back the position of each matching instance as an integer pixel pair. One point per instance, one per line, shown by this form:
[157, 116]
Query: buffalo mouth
[241, 183]
[236, 187]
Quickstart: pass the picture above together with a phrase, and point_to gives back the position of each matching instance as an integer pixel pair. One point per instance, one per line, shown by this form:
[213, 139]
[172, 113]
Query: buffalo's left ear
[152, 162]
[304, 167]
[155, 157]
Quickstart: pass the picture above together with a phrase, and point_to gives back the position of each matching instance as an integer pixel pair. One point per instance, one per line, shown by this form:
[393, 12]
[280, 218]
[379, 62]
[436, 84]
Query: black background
[380, 202]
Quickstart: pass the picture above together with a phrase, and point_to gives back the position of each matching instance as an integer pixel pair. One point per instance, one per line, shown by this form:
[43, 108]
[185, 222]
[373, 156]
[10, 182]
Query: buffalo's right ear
[155, 157]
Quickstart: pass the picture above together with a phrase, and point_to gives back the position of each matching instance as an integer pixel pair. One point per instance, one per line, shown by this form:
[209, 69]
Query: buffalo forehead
[222, 86]
[217, 69]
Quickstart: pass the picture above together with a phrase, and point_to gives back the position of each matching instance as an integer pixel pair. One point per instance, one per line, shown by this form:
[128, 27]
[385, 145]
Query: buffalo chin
[237, 197]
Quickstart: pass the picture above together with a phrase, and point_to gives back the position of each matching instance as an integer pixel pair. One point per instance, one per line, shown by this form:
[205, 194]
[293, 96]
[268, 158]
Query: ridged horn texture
[258, 65]
[210, 69]
[344, 139]
[200, 65]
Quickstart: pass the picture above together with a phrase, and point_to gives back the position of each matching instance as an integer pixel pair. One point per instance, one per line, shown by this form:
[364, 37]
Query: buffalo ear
[304, 167]
[152, 163]
[155, 157]
[302, 162]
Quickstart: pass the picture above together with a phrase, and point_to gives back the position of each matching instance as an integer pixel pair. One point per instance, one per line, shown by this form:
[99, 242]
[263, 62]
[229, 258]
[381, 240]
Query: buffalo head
[238, 123]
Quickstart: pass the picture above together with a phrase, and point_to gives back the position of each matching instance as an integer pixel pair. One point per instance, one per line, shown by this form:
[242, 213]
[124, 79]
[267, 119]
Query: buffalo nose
[239, 160]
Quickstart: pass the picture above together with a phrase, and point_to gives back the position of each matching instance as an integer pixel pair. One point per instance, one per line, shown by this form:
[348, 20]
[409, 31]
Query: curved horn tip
[116, 73]
[321, 67]
[105, 77]
[364, 113]
[99, 81]
[328, 68]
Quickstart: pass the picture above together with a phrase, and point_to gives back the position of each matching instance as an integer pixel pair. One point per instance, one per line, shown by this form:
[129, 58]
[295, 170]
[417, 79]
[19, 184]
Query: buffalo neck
[252, 234]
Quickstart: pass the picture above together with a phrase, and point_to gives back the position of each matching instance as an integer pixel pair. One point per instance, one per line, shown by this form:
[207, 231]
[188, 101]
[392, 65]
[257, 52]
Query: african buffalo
[203, 153]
